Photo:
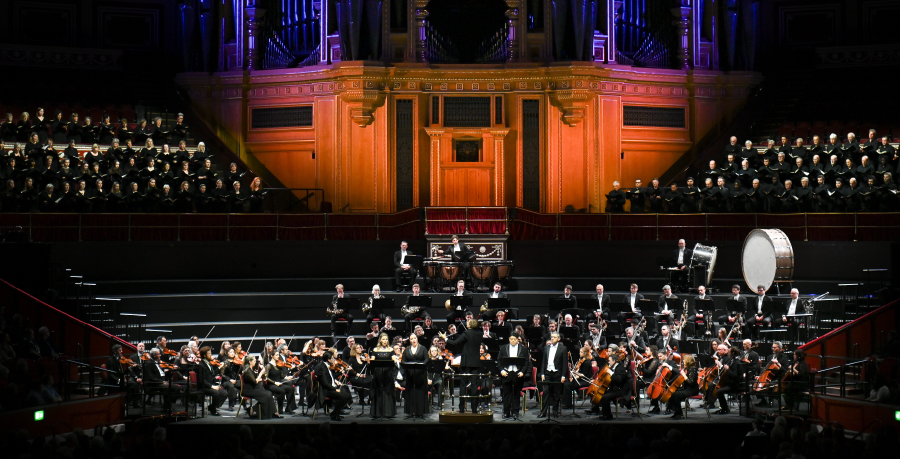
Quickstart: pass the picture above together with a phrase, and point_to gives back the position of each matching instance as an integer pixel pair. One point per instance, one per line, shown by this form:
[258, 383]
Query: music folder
[558, 304]
[348, 304]
[674, 304]
[413, 260]
[704, 305]
[382, 303]
[421, 301]
[461, 301]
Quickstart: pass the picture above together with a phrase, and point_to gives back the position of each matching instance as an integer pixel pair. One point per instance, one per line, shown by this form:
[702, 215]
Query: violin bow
[251, 341]
[207, 336]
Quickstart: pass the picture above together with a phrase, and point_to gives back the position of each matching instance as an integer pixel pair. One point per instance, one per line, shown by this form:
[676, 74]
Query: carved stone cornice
[369, 100]
[572, 103]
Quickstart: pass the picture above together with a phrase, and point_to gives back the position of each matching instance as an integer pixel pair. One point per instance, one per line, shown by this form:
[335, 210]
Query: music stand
[687, 347]
[415, 261]
[733, 306]
[392, 333]
[461, 301]
[534, 335]
[347, 304]
[675, 305]
[430, 333]
[501, 332]
[422, 302]
[437, 367]
[560, 304]
[706, 305]
[491, 367]
[506, 362]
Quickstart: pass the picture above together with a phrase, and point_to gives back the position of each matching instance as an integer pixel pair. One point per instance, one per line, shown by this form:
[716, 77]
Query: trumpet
[405, 309]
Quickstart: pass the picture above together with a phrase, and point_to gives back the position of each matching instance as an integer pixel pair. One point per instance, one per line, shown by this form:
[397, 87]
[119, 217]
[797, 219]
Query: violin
[126, 361]
[167, 366]
[168, 351]
[214, 363]
[145, 356]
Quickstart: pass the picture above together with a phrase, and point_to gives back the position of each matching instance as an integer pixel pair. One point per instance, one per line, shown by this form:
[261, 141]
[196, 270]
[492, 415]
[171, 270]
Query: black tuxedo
[680, 278]
[636, 318]
[601, 341]
[552, 392]
[617, 388]
[205, 381]
[724, 319]
[398, 270]
[462, 255]
[346, 316]
[767, 309]
[470, 356]
[511, 384]
[339, 395]
[601, 304]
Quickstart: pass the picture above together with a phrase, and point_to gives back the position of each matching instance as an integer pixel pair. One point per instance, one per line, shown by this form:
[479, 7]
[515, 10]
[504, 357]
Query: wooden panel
[454, 182]
[478, 187]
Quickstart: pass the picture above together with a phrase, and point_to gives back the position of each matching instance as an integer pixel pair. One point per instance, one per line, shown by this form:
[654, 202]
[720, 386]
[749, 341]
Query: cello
[602, 380]
[766, 379]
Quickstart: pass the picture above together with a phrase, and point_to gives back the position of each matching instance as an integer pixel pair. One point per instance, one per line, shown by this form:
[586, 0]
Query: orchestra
[641, 354]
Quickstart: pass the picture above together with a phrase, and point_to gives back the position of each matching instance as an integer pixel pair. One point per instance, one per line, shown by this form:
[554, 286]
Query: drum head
[759, 260]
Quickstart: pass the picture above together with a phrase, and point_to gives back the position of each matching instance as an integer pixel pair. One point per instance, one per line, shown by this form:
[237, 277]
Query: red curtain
[350, 227]
[487, 221]
[528, 225]
[104, 227]
[793, 225]
[584, 227]
[730, 227]
[638, 227]
[301, 227]
[203, 227]
[878, 227]
[830, 227]
[154, 227]
[54, 227]
[401, 225]
[251, 227]
[445, 221]
[691, 227]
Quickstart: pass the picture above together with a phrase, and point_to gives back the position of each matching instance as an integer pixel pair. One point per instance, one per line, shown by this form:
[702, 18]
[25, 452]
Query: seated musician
[567, 294]
[486, 328]
[666, 314]
[551, 328]
[688, 388]
[459, 312]
[595, 336]
[788, 309]
[344, 314]
[759, 312]
[331, 386]
[429, 323]
[616, 388]
[797, 381]
[374, 313]
[750, 359]
[569, 322]
[345, 354]
[581, 372]
[500, 320]
[776, 362]
[417, 313]
[682, 258]
[730, 316]
[695, 315]
[401, 266]
[666, 342]
[459, 252]
[156, 380]
[206, 382]
[497, 293]
[728, 380]
[119, 374]
[601, 306]
[632, 300]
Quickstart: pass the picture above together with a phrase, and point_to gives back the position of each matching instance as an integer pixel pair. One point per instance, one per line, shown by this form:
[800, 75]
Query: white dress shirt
[551, 355]
[793, 308]
[402, 257]
[681, 256]
[759, 304]
[513, 352]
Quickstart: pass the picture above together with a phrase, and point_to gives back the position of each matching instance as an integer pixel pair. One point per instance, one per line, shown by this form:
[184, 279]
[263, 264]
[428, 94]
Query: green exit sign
[897, 415]
[39, 415]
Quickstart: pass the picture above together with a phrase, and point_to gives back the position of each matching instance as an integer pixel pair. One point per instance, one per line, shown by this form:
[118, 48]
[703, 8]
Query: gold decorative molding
[369, 100]
[572, 103]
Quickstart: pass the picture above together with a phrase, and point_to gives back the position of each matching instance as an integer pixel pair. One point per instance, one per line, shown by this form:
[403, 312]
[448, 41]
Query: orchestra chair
[534, 390]
[248, 400]
[406, 281]
[343, 322]
[584, 389]
[687, 406]
[195, 396]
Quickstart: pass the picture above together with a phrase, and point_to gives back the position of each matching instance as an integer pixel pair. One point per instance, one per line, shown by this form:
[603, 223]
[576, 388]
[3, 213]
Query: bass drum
[767, 257]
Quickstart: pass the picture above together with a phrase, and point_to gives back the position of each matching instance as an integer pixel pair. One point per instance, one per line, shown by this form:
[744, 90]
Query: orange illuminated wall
[350, 150]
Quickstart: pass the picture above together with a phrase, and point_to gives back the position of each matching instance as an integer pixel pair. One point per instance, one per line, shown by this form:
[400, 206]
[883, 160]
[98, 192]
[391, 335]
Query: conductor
[470, 341]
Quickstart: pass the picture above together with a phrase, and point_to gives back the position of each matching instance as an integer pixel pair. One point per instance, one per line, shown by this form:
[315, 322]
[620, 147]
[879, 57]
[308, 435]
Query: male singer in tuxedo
[553, 371]
[401, 264]
[512, 377]
[682, 259]
[470, 356]
[600, 305]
